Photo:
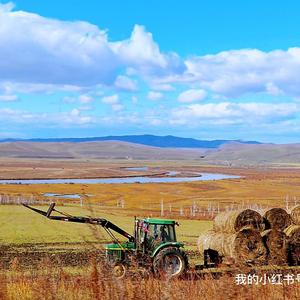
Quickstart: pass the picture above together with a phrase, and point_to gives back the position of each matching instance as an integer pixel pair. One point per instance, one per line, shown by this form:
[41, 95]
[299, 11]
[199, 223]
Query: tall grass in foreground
[54, 283]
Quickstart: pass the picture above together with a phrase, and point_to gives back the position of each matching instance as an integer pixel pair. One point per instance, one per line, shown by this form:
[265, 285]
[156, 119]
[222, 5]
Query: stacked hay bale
[277, 220]
[237, 234]
[293, 236]
[295, 215]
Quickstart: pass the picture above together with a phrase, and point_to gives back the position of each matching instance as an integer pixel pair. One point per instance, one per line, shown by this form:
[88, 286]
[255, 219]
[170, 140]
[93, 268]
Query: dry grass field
[43, 259]
[257, 186]
[56, 283]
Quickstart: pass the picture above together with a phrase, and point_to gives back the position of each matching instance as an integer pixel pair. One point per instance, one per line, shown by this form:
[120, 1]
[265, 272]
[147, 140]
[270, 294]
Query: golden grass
[96, 283]
[264, 187]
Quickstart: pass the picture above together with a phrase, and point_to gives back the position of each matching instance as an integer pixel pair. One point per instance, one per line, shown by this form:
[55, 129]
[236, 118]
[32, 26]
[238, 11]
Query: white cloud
[272, 89]
[113, 99]
[142, 54]
[162, 87]
[41, 51]
[85, 99]
[75, 112]
[155, 122]
[140, 49]
[154, 95]
[125, 83]
[192, 95]
[39, 54]
[8, 98]
[272, 110]
[37, 50]
[233, 113]
[36, 88]
[237, 72]
[74, 117]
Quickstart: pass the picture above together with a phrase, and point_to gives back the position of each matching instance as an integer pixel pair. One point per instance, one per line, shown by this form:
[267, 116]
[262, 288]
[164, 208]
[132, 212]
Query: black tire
[170, 262]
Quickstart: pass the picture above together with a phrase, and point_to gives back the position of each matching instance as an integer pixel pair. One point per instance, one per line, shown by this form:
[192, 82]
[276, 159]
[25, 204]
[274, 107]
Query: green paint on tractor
[121, 246]
[159, 221]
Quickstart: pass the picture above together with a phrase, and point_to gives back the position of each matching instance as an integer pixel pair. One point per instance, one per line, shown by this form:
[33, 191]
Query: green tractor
[153, 246]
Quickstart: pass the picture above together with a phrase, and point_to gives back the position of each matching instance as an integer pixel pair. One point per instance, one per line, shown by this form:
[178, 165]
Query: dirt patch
[32, 256]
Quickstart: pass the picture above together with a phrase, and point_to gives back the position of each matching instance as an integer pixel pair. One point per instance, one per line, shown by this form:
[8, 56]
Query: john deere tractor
[152, 247]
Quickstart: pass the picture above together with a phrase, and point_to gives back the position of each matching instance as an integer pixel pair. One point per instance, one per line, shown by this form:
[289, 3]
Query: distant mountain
[168, 141]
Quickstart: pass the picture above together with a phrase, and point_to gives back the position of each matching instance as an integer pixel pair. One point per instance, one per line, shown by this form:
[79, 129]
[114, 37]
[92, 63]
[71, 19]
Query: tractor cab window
[161, 233]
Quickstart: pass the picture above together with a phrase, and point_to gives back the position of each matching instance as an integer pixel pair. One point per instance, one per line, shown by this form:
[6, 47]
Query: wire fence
[196, 209]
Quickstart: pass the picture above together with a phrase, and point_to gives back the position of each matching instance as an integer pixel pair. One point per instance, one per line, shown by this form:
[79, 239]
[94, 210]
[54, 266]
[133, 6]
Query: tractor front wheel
[170, 262]
[118, 271]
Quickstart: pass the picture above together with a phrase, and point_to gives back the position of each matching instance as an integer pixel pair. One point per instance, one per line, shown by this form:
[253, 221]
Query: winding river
[138, 179]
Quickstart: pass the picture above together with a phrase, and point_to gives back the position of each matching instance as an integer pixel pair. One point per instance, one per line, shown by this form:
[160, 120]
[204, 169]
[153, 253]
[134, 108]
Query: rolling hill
[263, 154]
[99, 150]
[227, 153]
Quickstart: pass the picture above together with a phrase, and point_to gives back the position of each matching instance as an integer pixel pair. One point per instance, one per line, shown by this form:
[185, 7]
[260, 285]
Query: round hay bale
[295, 215]
[234, 221]
[249, 248]
[277, 247]
[277, 218]
[293, 236]
[220, 242]
[245, 247]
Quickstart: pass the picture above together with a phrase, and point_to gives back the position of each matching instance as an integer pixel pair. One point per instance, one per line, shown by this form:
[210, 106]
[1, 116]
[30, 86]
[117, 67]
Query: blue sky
[203, 69]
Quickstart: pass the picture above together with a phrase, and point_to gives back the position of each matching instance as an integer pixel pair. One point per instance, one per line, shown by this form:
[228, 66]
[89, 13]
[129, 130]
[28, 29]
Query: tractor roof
[160, 221]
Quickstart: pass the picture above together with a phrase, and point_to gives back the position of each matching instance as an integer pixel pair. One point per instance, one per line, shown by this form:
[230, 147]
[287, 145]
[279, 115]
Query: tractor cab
[151, 234]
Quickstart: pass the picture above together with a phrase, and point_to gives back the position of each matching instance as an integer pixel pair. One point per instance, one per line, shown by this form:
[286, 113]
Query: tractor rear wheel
[170, 262]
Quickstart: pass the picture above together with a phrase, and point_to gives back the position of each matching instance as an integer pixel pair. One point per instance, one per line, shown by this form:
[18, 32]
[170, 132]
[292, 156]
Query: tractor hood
[124, 246]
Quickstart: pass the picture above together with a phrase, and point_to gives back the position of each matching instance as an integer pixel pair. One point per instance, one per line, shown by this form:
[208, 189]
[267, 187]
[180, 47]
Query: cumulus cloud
[42, 51]
[232, 113]
[140, 52]
[35, 49]
[83, 99]
[75, 112]
[154, 95]
[39, 54]
[74, 117]
[36, 88]
[8, 98]
[237, 72]
[192, 95]
[43, 55]
[125, 83]
[113, 99]
[162, 87]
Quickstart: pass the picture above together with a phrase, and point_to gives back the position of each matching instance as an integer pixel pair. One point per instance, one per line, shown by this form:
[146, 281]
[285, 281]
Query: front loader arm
[107, 225]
